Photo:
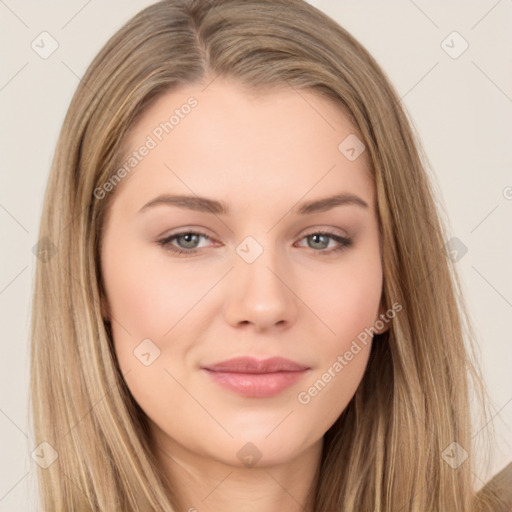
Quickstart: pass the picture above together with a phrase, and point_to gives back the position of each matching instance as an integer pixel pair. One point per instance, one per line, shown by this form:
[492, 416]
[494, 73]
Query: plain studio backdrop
[450, 62]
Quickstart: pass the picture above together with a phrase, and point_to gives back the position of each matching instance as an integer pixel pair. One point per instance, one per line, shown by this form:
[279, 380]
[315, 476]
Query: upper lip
[252, 365]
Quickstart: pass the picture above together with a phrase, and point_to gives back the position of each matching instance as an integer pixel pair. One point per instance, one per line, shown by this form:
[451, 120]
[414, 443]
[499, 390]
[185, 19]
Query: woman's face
[252, 262]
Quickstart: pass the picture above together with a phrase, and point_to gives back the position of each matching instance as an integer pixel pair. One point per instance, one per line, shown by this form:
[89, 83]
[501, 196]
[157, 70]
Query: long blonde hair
[384, 453]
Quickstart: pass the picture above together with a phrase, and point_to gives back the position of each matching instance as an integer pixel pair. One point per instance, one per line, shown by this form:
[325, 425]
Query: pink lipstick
[256, 378]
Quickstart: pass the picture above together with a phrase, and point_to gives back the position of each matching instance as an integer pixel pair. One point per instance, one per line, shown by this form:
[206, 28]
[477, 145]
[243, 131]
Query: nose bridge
[259, 294]
[257, 264]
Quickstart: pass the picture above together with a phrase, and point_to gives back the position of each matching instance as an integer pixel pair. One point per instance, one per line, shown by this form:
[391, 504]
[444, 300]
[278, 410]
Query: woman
[256, 370]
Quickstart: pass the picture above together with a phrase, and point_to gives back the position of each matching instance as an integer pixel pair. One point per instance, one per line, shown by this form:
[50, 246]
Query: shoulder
[496, 494]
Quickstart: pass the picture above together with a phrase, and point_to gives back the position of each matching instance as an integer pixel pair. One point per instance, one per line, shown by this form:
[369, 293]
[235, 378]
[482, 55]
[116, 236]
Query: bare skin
[263, 156]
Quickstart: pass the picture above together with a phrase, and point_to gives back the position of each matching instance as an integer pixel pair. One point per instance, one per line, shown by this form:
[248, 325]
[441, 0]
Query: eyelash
[345, 243]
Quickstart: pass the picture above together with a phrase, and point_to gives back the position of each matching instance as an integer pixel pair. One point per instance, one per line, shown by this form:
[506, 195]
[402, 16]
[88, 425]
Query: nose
[261, 294]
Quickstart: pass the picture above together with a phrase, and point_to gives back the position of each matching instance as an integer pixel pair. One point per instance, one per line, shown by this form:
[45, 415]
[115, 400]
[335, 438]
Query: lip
[253, 365]
[255, 378]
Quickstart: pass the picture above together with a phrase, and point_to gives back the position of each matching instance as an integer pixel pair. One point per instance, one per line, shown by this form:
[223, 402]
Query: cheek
[136, 297]
[147, 295]
[350, 309]
[146, 299]
[330, 390]
[348, 304]
[152, 298]
[347, 297]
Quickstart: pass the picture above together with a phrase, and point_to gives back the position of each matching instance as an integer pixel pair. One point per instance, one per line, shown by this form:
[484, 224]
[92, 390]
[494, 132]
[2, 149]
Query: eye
[186, 242]
[319, 240]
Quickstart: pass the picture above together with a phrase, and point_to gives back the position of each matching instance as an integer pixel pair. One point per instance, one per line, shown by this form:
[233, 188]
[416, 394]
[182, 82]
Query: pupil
[315, 238]
[187, 239]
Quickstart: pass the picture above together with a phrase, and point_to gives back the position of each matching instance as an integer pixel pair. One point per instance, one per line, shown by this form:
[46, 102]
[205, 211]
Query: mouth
[254, 378]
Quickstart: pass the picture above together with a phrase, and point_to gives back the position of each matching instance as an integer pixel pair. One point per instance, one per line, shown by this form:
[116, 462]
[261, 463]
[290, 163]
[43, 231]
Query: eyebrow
[204, 204]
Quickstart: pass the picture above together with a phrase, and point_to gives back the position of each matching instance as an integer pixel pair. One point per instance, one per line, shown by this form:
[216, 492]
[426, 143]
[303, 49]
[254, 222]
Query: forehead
[222, 140]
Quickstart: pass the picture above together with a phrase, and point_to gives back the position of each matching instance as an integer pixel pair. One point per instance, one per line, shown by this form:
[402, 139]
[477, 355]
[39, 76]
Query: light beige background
[461, 107]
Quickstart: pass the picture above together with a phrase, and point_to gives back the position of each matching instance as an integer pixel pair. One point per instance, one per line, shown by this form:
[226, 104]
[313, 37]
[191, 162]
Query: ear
[382, 322]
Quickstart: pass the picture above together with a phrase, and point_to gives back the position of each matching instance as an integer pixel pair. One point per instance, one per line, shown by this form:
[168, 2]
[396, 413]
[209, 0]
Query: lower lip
[257, 385]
